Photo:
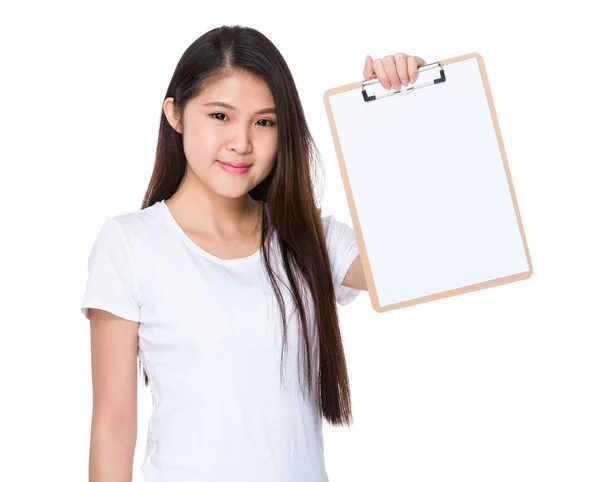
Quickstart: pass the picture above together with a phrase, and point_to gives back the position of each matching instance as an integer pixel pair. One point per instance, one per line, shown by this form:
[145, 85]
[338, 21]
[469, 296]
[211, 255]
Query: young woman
[226, 271]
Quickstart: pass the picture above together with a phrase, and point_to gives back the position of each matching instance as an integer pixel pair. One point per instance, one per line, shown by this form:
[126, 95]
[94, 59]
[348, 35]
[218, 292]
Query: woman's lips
[234, 169]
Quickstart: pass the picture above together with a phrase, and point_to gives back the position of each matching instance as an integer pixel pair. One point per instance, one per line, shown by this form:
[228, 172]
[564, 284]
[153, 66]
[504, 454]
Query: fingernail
[397, 86]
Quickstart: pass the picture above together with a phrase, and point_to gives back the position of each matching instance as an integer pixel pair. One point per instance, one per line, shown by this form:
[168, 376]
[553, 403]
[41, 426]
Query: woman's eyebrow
[268, 110]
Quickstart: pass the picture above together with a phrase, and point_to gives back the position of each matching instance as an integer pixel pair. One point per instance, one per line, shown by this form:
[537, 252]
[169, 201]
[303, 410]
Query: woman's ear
[169, 110]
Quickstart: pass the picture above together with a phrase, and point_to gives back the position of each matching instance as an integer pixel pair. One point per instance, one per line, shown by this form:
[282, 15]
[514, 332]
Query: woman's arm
[114, 384]
[355, 277]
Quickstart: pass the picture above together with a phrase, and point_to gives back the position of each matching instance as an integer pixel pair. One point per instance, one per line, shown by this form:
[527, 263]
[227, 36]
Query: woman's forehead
[238, 92]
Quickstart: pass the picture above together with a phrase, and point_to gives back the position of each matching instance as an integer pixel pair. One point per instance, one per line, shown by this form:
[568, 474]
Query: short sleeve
[109, 284]
[343, 250]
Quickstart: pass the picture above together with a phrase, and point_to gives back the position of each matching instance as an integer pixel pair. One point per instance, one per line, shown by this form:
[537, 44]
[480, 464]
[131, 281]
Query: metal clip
[425, 77]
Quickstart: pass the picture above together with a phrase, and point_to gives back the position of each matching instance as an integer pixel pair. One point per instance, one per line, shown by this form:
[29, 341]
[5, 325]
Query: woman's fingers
[393, 70]
[368, 72]
[401, 68]
[380, 72]
[413, 62]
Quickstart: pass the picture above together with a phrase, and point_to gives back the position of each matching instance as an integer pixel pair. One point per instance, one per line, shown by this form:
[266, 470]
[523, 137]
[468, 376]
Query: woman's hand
[393, 70]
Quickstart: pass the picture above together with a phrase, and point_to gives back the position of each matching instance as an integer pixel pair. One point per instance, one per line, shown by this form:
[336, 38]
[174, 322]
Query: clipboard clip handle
[425, 76]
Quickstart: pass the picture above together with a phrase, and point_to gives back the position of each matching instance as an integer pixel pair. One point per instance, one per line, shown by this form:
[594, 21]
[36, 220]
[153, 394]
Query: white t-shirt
[210, 341]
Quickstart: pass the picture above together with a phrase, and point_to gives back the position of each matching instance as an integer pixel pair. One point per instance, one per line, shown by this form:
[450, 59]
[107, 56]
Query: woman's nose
[241, 141]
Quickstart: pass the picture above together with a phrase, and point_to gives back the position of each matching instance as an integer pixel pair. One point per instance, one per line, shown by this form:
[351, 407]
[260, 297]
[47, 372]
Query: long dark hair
[289, 204]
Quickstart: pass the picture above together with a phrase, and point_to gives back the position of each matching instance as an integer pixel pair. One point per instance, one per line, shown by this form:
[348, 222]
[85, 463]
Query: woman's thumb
[368, 72]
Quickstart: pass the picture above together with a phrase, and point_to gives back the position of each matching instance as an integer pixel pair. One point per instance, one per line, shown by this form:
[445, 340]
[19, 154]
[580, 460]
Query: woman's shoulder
[136, 223]
[332, 224]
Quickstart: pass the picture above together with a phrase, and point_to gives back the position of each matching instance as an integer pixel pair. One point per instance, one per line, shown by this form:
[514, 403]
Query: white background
[496, 385]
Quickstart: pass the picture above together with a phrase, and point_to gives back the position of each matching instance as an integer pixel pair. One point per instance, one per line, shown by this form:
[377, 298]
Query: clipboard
[428, 185]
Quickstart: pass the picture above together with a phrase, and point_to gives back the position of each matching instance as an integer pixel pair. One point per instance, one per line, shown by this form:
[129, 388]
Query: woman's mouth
[233, 169]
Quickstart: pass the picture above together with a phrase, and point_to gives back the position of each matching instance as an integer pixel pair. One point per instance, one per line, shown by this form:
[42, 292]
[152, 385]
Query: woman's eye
[263, 125]
[218, 113]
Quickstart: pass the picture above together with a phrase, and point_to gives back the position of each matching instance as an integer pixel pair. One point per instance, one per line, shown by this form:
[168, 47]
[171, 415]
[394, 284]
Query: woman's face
[242, 132]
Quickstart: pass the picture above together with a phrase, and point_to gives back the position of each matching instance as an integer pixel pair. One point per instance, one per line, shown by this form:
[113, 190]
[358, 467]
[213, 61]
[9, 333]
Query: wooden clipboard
[455, 168]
